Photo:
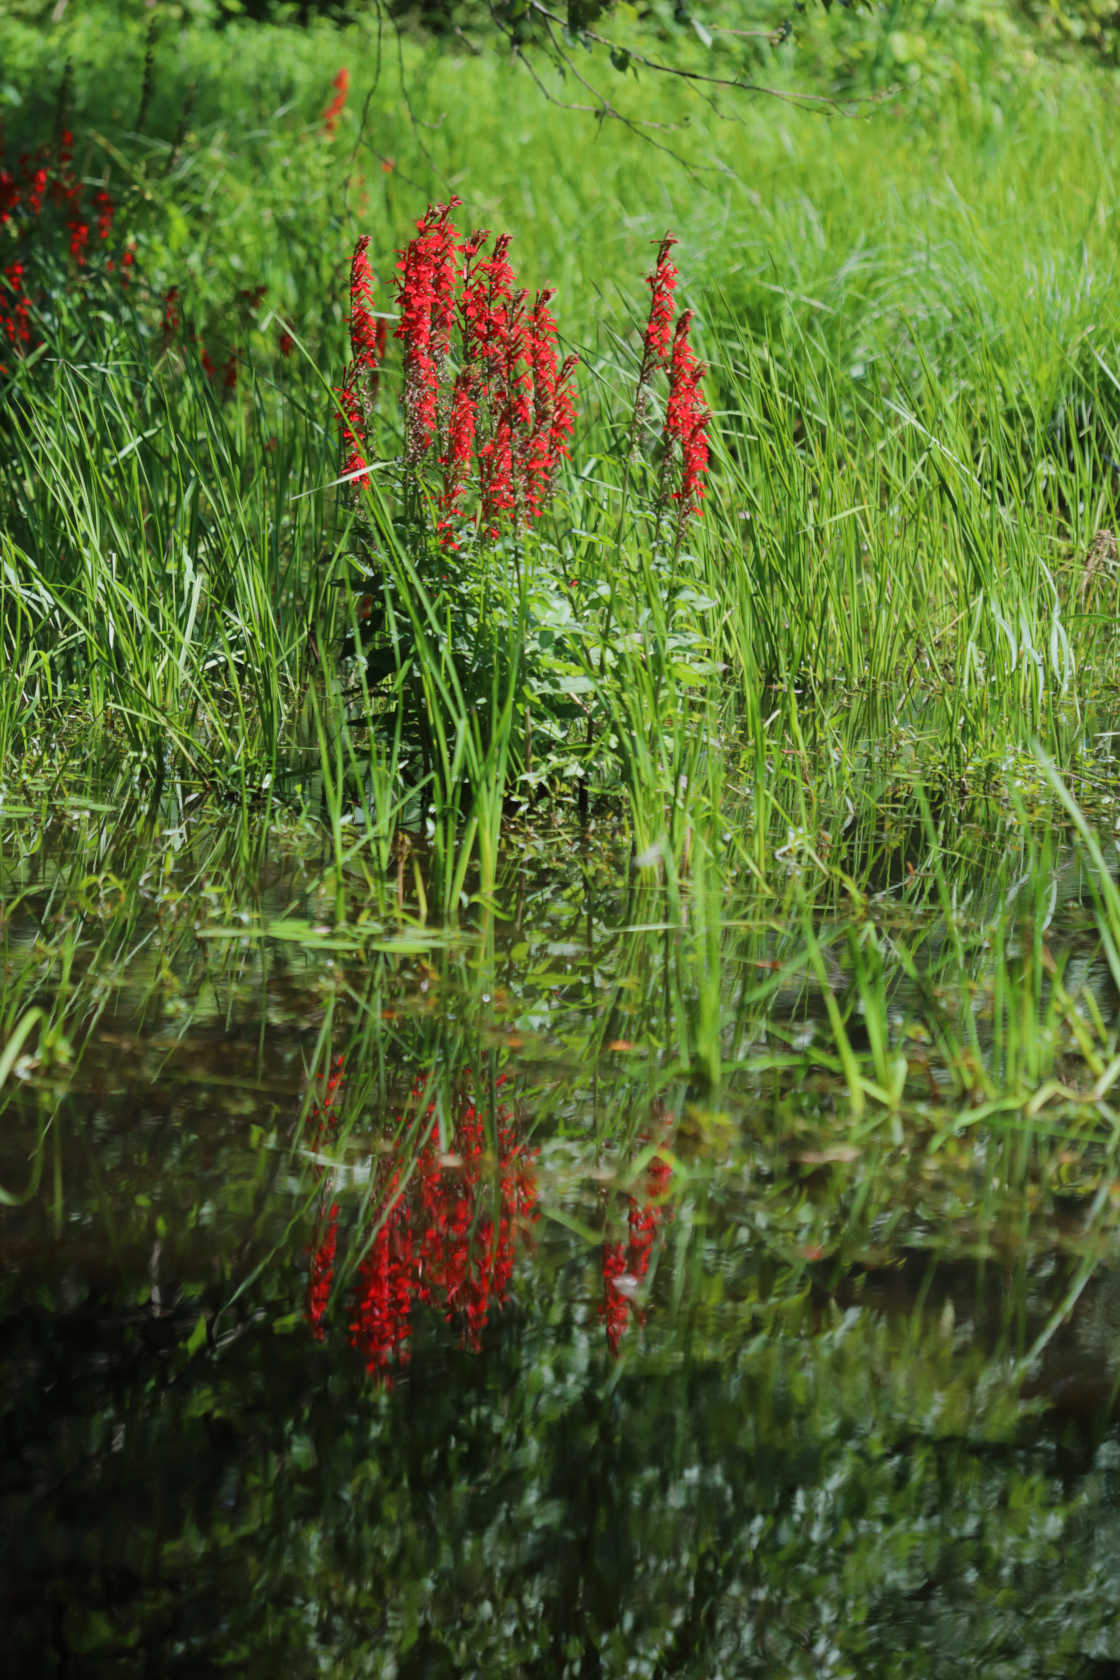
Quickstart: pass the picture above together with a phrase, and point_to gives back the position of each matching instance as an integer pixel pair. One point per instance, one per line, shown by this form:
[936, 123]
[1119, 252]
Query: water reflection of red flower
[444, 1229]
[625, 1264]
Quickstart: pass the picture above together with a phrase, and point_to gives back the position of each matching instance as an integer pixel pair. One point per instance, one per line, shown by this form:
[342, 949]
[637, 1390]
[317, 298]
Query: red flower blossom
[443, 1235]
[484, 309]
[615, 1309]
[456, 460]
[358, 392]
[321, 1273]
[624, 1265]
[563, 411]
[367, 332]
[334, 110]
[363, 327]
[15, 307]
[658, 334]
[468, 1222]
[687, 417]
[352, 422]
[382, 1321]
[661, 282]
[169, 325]
[105, 212]
[42, 203]
[426, 295]
[497, 494]
[503, 414]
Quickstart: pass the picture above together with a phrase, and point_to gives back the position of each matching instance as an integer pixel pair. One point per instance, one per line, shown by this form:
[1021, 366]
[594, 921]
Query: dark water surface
[389, 1303]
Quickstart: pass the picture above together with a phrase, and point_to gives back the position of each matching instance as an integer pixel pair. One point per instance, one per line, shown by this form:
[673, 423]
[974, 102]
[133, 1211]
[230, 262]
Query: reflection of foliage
[799, 1492]
[443, 1225]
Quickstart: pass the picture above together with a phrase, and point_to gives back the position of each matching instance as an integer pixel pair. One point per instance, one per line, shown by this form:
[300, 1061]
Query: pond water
[545, 1299]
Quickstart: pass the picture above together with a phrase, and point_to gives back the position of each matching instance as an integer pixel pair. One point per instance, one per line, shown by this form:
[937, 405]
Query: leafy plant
[453, 578]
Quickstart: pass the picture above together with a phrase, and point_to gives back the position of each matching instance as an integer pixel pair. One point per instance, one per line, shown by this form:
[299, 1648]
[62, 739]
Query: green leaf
[197, 1337]
[10, 1053]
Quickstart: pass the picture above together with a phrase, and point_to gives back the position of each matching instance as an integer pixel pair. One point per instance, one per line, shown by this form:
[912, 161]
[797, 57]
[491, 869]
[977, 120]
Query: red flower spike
[456, 462]
[321, 1274]
[426, 297]
[657, 337]
[358, 393]
[444, 1237]
[352, 422]
[626, 1264]
[662, 282]
[497, 495]
[615, 1309]
[687, 417]
[363, 328]
[382, 1322]
[563, 411]
[334, 110]
[367, 334]
[504, 414]
[170, 322]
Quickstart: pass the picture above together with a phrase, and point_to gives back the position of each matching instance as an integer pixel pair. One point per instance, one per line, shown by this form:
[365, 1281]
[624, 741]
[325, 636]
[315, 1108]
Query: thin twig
[817, 101]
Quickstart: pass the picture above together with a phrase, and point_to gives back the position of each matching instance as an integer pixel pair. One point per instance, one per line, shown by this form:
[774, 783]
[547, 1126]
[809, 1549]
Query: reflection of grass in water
[983, 1016]
[820, 1350]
